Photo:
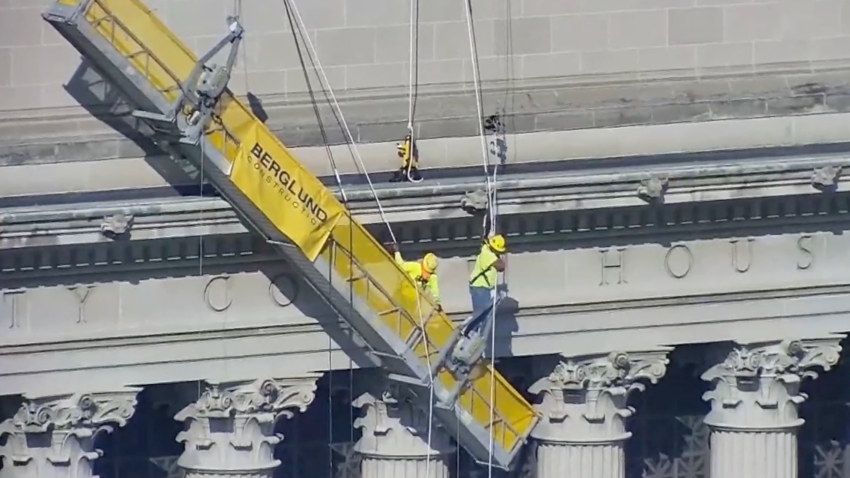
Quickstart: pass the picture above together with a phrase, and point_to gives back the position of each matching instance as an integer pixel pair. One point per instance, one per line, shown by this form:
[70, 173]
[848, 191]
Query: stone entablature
[252, 287]
[687, 291]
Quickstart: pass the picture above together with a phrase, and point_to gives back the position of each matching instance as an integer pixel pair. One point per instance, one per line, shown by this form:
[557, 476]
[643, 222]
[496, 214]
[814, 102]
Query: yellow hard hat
[497, 243]
[429, 263]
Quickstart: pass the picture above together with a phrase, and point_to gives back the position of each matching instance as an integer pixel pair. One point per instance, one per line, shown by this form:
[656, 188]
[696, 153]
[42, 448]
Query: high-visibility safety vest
[414, 270]
[483, 273]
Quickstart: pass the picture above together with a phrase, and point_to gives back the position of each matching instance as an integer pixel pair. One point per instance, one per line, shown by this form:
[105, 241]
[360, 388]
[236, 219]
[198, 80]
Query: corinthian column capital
[265, 399]
[71, 423]
[244, 446]
[584, 398]
[757, 386]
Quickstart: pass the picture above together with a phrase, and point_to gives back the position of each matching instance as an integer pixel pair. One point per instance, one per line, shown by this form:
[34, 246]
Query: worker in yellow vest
[423, 272]
[482, 280]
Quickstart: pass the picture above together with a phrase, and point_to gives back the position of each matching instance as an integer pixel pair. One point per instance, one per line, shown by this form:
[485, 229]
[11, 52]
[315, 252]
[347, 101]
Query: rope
[295, 32]
[338, 111]
[414, 63]
[243, 45]
[473, 53]
[291, 10]
[491, 198]
[430, 380]
[413, 83]
[337, 177]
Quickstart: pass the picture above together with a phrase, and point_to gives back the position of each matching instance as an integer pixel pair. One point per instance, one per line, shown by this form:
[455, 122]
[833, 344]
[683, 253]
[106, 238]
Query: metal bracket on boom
[464, 349]
[201, 91]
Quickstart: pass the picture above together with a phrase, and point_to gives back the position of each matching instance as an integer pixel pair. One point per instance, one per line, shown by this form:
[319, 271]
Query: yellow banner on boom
[293, 199]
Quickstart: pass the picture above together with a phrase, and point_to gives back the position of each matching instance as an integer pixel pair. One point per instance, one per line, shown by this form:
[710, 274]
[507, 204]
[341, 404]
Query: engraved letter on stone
[222, 304]
[742, 254]
[678, 264]
[283, 290]
[807, 258]
[619, 264]
[81, 293]
[11, 303]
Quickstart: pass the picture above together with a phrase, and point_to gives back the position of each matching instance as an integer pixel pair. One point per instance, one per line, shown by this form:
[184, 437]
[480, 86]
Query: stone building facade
[774, 409]
[766, 409]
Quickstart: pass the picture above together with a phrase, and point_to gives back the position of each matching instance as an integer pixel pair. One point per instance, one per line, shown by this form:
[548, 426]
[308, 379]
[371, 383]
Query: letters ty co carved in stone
[280, 283]
[218, 296]
[12, 297]
[81, 293]
[225, 304]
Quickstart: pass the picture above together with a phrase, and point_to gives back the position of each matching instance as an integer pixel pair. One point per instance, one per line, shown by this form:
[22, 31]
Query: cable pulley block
[409, 154]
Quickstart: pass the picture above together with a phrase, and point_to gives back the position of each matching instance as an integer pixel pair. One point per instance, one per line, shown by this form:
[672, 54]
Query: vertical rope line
[413, 58]
[243, 46]
[491, 198]
[413, 84]
[335, 105]
[422, 325]
[330, 410]
[473, 51]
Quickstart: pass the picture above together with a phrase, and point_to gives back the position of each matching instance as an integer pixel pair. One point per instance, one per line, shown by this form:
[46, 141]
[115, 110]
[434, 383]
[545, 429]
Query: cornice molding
[436, 207]
[167, 236]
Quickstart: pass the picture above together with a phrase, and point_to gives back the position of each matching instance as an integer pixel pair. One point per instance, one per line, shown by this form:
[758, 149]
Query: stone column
[229, 431]
[395, 439]
[754, 406]
[54, 436]
[583, 410]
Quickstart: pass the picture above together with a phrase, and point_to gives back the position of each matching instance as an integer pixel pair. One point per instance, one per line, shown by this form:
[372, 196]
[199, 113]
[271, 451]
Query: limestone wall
[364, 43]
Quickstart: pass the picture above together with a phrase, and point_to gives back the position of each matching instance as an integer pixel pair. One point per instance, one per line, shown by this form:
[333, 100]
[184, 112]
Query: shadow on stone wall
[105, 102]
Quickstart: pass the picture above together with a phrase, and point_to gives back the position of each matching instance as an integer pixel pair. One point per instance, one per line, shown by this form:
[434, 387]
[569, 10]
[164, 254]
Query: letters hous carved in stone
[54, 437]
[230, 429]
[583, 401]
[758, 386]
[393, 428]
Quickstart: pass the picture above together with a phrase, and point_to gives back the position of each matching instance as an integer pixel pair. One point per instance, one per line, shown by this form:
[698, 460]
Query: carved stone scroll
[583, 406]
[230, 428]
[755, 402]
[54, 436]
[396, 439]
